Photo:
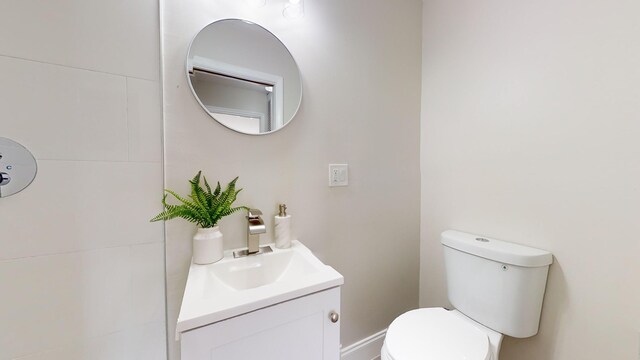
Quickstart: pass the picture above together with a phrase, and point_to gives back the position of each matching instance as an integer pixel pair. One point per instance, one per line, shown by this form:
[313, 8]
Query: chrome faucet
[255, 227]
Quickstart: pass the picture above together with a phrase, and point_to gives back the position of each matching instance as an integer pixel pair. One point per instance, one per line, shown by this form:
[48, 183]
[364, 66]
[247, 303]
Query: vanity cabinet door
[299, 329]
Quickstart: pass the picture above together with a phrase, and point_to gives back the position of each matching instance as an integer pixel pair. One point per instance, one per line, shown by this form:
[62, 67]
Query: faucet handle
[254, 213]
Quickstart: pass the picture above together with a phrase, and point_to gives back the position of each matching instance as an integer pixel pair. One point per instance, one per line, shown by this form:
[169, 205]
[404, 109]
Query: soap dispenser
[282, 228]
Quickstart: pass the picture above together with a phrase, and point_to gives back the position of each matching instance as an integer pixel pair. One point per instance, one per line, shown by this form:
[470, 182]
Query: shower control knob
[4, 178]
[18, 167]
[333, 316]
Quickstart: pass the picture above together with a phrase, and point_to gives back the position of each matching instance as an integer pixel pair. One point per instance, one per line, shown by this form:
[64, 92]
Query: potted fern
[205, 208]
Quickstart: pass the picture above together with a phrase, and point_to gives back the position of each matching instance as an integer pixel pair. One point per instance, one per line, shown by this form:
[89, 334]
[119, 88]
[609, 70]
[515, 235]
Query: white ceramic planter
[207, 246]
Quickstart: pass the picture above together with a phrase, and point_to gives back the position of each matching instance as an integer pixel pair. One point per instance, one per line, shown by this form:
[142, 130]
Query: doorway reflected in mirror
[244, 77]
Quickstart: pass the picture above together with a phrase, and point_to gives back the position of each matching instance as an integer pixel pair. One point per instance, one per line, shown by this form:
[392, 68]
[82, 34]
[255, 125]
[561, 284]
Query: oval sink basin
[235, 286]
[259, 270]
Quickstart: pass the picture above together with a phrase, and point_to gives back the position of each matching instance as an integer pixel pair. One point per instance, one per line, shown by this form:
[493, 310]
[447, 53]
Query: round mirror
[244, 76]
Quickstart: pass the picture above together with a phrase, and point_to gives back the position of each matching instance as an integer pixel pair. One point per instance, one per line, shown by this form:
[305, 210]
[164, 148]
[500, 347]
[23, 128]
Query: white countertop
[231, 287]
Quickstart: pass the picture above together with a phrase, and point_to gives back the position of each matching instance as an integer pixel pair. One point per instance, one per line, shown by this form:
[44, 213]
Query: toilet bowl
[439, 334]
[497, 288]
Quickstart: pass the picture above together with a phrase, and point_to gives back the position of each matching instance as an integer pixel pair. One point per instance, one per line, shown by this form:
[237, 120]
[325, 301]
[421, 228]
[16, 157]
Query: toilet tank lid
[496, 250]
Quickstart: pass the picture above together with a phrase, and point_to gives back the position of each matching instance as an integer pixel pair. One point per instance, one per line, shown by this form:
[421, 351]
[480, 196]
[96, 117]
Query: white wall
[360, 63]
[81, 268]
[530, 134]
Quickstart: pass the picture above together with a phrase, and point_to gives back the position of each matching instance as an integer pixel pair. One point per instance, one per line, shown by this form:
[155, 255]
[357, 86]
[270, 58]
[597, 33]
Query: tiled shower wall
[81, 268]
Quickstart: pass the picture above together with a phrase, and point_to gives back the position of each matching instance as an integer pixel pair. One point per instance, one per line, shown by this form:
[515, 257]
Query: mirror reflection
[244, 76]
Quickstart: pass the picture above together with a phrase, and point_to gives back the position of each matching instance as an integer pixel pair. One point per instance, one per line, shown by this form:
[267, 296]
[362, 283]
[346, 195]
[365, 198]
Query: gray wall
[81, 267]
[530, 134]
[360, 62]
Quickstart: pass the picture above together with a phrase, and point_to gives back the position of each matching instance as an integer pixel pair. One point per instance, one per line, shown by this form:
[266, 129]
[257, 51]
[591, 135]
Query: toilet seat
[434, 334]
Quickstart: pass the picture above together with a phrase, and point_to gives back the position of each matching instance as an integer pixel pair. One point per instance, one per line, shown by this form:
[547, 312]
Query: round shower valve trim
[18, 167]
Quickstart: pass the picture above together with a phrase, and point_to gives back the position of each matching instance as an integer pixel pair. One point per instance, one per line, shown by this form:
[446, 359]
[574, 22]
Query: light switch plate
[338, 175]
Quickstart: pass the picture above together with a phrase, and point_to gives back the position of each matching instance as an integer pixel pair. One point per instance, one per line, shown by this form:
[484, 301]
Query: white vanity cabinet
[299, 329]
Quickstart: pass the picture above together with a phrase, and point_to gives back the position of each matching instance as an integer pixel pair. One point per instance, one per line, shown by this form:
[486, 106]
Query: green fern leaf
[203, 206]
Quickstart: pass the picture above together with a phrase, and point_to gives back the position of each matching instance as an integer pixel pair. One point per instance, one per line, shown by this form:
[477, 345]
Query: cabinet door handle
[334, 317]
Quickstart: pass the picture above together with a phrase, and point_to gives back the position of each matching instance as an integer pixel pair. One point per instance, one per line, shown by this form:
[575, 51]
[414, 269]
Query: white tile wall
[81, 205]
[61, 299]
[117, 37]
[144, 108]
[64, 113]
[81, 267]
[147, 284]
[143, 342]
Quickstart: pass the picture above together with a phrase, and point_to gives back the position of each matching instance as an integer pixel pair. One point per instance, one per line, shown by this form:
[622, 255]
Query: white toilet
[496, 287]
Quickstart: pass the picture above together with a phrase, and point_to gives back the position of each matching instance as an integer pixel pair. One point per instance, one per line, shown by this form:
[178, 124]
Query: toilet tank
[496, 283]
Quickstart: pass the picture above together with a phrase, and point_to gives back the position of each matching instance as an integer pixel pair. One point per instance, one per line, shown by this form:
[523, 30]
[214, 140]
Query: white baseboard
[365, 349]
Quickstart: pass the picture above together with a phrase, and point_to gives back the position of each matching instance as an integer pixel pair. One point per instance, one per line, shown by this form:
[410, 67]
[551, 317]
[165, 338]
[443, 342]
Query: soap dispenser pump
[282, 228]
